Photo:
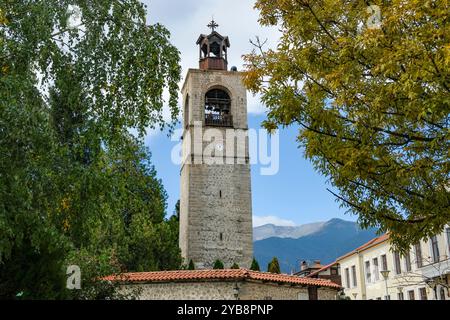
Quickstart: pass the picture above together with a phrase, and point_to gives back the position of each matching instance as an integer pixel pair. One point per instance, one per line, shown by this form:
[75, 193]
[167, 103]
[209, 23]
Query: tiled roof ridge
[321, 269]
[217, 274]
[374, 241]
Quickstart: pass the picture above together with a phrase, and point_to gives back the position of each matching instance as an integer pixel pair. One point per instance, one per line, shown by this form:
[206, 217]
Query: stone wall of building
[215, 199]
[326, 294]
[220, 225]
[212, 290]
[272, 291]
[224, 290]
[199, 82]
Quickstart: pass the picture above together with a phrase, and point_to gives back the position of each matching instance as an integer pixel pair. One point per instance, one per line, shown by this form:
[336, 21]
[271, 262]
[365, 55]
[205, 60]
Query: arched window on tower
[218, 108]
[186, 112]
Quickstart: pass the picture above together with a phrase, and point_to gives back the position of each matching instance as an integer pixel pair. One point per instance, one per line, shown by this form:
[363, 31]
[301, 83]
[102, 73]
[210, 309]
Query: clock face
[219, 147]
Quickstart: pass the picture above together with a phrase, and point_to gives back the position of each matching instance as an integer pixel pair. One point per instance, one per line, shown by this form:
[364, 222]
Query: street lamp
[433, 285]
[385, 274]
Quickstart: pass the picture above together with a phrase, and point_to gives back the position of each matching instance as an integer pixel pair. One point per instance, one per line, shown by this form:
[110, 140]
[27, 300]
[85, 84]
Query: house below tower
[225, 284]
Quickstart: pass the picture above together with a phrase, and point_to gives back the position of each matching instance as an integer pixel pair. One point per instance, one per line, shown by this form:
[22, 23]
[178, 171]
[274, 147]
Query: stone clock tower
[215, 200]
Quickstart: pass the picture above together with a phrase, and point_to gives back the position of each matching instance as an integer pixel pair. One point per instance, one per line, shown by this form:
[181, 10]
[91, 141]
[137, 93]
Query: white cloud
[259, 221]
[254, 104]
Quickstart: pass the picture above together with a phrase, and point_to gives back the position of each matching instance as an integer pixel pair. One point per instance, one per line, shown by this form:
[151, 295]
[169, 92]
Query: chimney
[303, 265]
[317, 264]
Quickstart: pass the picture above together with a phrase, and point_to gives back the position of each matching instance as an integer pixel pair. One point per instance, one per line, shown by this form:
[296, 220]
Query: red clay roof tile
[321, 269]
[218, 274]
[366, 245]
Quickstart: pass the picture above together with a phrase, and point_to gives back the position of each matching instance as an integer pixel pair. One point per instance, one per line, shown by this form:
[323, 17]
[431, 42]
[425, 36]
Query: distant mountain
[324, 241]
[271, 230]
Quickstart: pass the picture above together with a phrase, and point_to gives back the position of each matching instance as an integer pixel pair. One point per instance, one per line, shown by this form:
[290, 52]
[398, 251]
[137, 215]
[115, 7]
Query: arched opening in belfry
[204, 50]
[218, 108]
[215, 49]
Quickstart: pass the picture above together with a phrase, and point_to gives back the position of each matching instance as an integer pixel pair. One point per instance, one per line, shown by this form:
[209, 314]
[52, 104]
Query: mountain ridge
[327, 241]
[272, 230]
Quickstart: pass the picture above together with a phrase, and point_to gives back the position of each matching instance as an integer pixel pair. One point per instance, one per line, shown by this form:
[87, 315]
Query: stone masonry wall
[326, 294]
[224, 290]
[272, 291]
[215, 200]
[220, 224]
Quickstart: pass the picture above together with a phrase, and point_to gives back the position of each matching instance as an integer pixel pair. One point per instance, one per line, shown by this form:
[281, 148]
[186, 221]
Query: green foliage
[218, 264]
[176, 212]
[75, 186]
[372, 104]
[255, 265]
[235, 266]
[343, 297]
[274, 266]
[29, 274]
[191, 265]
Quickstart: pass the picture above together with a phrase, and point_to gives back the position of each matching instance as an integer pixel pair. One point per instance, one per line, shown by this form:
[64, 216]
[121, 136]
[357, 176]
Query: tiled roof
[366, 245]
[218, 274]
[321, 269]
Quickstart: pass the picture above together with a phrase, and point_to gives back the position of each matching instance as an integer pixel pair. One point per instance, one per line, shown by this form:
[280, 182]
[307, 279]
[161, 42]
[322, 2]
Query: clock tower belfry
[215, 195]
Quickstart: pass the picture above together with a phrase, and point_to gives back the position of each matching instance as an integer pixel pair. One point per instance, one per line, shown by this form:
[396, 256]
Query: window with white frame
[355, 282]
[384, 262]
[423, 293]
[347, 278]
[397, 265]
[368, 275]
[441, 293]
[408, 261]
[435, 248]
[447, 232]
[376, 271]
[418, 255]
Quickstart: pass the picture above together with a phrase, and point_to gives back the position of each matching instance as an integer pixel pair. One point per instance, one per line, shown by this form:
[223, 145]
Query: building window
[423, 293]
[408, 261]
[447, 231]
[442, 293]
[186, 112]
[376, 271]
[312, 293]
[400, 296]
[221, 236]
[418, 253]
[368, 275]
[347, 277]
[384, 262]
[355, 283]
[435, 248]
[398, 267]
[334, 271]
[411, 295]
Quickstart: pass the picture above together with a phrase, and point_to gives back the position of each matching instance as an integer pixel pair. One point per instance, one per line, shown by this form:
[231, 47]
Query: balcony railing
[221, 120]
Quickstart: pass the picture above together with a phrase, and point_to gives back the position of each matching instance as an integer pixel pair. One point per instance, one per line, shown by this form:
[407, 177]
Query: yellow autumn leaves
[3, 19]
[64, 207]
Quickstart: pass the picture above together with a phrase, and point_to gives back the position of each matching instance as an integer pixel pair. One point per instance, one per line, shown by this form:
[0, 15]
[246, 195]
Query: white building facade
[375, 271]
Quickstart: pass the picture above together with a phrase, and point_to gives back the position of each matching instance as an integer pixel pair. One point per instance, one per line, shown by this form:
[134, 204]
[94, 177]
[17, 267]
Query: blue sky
[296, 194]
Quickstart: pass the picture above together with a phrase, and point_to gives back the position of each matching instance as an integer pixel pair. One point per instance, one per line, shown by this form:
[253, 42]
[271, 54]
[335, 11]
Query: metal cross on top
[212, 25]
